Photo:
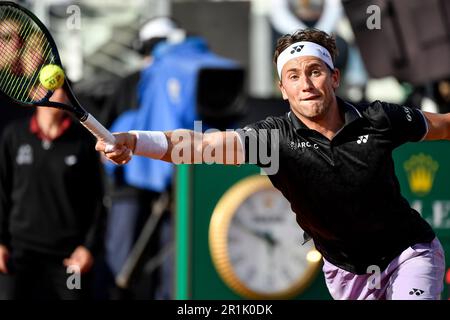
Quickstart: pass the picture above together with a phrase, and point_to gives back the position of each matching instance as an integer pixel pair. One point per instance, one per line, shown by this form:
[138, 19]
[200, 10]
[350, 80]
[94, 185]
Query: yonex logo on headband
[296, 49]
[303, 48]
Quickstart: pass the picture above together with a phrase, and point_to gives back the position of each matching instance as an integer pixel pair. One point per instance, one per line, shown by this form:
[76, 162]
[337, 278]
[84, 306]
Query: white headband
[303, 48]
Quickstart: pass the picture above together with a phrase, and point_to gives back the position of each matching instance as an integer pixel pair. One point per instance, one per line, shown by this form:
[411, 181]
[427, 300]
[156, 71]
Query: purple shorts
[416, 274]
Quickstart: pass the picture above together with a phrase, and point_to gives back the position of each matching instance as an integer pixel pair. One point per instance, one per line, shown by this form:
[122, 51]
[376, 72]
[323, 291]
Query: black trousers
[38, 276]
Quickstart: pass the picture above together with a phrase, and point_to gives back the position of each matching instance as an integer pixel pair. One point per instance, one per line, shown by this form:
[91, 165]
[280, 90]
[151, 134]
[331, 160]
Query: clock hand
[264, 235]
[259, 234]
[270, 239]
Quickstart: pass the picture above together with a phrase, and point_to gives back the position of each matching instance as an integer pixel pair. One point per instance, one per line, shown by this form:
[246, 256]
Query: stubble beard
[313, 111]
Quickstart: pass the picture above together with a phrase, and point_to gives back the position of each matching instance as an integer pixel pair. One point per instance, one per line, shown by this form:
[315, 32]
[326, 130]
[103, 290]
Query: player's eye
[5, 37]
[315, 73]
[293, 76]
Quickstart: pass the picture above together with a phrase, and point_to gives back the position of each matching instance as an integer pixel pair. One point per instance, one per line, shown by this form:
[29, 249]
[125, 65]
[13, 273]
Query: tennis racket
[26, 46]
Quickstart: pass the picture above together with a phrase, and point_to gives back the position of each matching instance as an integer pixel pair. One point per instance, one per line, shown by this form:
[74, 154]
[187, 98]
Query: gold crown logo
[421, 170]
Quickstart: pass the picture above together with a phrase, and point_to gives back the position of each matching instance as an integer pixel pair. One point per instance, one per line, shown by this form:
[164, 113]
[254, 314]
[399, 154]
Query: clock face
[256, 242]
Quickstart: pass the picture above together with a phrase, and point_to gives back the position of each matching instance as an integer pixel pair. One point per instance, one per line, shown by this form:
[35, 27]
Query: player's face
[32, 53]
[308, 85]
[9, 42]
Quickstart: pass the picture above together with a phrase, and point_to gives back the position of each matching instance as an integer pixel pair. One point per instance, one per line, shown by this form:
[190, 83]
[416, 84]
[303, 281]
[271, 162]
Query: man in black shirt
[50, 205]
[333, 161]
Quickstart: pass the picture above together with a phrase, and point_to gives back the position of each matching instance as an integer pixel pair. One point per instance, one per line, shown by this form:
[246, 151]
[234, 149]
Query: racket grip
[98, 130]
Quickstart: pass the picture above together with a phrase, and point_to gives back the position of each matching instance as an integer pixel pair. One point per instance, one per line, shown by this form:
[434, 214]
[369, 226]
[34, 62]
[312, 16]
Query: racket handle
[98, 130]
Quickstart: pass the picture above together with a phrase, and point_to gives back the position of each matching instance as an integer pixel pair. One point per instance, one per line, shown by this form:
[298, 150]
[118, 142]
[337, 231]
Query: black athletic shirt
[51, 193]
[344, 192]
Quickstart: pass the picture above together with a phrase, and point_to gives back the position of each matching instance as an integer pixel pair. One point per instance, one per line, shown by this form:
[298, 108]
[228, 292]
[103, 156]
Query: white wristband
[152, 144]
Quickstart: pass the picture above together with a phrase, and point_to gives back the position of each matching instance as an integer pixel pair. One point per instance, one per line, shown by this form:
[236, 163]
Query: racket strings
[29, 61]
[10, 30]
[24, 49]
[9, 46]
[26, 30]
[20, 64]
[14, 51]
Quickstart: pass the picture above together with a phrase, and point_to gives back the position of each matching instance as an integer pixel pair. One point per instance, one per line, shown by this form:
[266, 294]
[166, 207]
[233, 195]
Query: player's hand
[122, 150]
[82, 258]
[4, 257]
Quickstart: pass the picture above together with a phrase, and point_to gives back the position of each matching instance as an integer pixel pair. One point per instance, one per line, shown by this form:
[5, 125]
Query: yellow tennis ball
[51, 77]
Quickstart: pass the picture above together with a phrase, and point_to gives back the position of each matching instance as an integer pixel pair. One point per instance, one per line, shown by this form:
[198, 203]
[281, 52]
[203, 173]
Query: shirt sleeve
[5, 188]
[260, 140]
[95, 189]
[405, 124]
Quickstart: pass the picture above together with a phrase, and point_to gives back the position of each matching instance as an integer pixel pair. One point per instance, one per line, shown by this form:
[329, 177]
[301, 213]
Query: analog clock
[255, 243]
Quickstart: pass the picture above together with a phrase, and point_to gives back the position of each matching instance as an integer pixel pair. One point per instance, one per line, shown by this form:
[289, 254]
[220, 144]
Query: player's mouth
[310, 98]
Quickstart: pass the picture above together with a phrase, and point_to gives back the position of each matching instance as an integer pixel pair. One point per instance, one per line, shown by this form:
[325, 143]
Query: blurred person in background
[432, 97]
[125, 96]
[11, 113]
[132, 204]
[51, 206]
[168, 97]
[329, 16]
[336, 170]
[10, 43]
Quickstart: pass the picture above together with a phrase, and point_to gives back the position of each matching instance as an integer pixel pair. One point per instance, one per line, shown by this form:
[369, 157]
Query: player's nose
[306, 83]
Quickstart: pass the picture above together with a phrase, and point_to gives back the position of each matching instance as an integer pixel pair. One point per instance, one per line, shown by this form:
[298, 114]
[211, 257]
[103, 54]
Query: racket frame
[75, 107]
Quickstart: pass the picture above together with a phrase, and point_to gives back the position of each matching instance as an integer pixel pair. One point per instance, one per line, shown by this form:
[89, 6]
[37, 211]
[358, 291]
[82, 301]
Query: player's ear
[335, 78]
[283, 91]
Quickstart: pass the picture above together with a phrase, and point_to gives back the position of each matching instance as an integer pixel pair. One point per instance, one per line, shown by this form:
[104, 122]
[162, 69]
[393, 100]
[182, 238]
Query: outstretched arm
[178, 146]
[438, 126]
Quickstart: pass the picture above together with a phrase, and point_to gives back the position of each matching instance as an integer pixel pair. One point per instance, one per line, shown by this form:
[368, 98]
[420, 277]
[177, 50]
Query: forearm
[178, 146]
[4, 234]
[446, 129]
[5, 201]
[184, 147]
[93, 240]
[5, 208]
[96, 220]
[438, 126]
[189, 147]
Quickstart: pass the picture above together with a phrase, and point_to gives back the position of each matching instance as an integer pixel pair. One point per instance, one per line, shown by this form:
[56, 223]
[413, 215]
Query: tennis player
[335, 168]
